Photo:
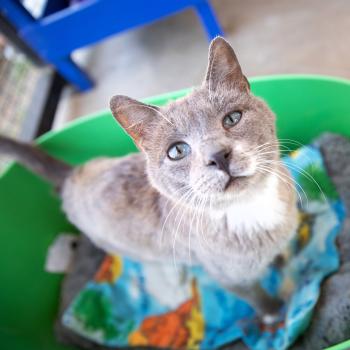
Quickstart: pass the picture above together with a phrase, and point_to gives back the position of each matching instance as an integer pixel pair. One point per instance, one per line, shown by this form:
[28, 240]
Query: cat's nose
[220, 160]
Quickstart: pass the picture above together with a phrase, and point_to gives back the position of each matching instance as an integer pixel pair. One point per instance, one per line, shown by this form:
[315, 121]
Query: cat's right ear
[135, 117]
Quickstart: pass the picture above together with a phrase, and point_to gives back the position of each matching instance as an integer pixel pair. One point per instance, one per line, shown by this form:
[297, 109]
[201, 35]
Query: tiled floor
[269, 37]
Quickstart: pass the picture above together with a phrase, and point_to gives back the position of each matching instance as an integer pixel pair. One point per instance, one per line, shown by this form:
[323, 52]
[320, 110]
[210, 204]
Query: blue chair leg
[208, 18]
[72, 73]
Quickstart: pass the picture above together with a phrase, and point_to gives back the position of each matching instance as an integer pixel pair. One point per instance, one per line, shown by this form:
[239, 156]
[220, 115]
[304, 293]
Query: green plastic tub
[30, 215]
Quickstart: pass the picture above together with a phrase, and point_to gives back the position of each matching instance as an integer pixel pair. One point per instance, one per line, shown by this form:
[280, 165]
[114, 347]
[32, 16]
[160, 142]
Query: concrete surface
[269, 37]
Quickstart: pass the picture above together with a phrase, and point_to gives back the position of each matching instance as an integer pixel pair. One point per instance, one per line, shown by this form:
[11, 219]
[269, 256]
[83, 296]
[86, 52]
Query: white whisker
[178, 226]
[308, 176]
[177, 202]
[284, 178]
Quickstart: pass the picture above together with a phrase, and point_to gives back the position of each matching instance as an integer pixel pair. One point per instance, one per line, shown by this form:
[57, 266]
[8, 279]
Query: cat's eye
[231, 119]
[178, 151]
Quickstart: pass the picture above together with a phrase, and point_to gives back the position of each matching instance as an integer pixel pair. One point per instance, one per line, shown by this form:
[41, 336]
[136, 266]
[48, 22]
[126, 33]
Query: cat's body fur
[227, 204]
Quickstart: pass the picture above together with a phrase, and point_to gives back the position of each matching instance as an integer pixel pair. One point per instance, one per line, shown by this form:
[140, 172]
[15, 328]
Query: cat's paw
[270, 319]
[274, 321]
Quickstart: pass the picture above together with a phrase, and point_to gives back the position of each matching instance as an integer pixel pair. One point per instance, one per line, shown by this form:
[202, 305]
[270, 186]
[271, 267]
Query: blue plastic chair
[61, 31]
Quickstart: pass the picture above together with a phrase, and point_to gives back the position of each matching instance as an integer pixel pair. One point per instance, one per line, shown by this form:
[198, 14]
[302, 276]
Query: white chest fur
[262, 210]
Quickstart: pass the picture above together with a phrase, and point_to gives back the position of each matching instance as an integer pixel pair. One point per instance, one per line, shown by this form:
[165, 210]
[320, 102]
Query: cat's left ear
[135, 117]
[223, 67]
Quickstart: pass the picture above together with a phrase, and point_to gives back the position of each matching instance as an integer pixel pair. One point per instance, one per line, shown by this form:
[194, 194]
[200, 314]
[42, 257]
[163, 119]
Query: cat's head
[216, 143]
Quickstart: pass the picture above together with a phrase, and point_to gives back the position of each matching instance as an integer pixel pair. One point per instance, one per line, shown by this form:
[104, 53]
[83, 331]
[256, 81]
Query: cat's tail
[33, 158]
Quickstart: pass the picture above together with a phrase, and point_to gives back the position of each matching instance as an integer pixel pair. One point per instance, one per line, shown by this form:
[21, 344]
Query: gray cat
[208, 187]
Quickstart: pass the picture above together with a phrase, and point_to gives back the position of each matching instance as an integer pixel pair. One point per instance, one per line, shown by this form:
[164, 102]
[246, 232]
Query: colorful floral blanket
[133, 304]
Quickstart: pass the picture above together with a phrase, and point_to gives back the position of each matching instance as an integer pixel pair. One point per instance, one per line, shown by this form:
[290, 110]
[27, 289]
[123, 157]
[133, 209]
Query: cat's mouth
[233, 181]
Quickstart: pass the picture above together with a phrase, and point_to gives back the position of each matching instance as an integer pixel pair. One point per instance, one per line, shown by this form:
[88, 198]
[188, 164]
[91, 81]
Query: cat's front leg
[267, 307]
